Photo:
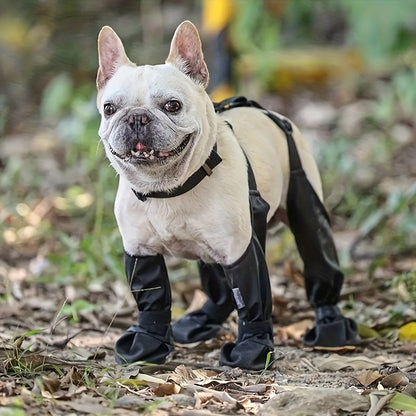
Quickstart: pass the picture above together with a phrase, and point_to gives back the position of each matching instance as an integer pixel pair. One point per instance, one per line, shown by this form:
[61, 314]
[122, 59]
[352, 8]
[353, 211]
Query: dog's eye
[109, 109]
[173, 106]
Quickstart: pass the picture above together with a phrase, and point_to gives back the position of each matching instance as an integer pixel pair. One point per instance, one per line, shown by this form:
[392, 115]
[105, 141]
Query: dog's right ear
[111, 55]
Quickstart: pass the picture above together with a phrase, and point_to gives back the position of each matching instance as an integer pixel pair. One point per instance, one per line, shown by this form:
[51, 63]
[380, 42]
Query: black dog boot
[310, 225]
[205, 323]
[331, 329]
[253, 348]
[151, 339]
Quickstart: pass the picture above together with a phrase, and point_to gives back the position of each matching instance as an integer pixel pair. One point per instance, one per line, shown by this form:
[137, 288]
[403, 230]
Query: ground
[51, 365]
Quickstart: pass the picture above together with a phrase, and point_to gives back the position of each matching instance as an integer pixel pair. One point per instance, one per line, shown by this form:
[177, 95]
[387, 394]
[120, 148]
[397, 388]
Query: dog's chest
[157, 229]
[173, 233]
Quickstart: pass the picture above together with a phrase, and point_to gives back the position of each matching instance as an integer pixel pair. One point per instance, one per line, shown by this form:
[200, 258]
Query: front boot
[150, 340]
[253, 348]
[309, 222]
[206, 322]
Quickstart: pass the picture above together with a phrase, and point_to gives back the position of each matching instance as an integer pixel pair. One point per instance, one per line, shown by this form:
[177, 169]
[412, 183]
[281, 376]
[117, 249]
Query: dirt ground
[50, 365]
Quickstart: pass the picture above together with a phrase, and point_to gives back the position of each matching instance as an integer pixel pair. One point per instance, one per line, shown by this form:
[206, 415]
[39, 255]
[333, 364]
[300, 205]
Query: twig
[378, 403]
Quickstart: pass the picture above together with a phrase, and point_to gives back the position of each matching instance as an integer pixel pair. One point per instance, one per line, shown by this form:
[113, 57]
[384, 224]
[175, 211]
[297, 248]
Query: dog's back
[265, 145]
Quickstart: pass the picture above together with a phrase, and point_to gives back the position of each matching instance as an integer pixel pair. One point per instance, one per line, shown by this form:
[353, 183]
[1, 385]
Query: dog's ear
[111, 55]
[186, 53]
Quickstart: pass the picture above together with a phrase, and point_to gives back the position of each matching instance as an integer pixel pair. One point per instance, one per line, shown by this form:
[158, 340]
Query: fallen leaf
[51, 383]
[88, 405]
[402, 402]
[198, 300]
[295, 331]
[394, 380]
[141, 380]
[368, 377]
[366, 332]
[337, 362]
[407, 332]
[184, 375]
[342, 349]
[166, 389]
[73, 376]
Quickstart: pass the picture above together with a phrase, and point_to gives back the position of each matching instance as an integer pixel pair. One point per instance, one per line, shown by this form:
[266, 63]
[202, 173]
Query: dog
[159, 128]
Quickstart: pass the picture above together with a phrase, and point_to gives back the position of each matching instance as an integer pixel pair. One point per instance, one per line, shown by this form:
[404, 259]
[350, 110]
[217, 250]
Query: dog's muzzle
[142, 153]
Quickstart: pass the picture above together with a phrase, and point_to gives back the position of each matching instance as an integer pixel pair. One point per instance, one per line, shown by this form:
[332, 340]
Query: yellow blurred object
[216, 14]
[408, 332]
[17, 35]
[13, 33]
[221, 92]
[288, 69]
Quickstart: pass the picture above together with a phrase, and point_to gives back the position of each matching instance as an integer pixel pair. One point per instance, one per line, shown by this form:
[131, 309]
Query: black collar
[213, 160]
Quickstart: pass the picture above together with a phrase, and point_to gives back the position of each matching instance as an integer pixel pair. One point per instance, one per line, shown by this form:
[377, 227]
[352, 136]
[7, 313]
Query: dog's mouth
[143, 153]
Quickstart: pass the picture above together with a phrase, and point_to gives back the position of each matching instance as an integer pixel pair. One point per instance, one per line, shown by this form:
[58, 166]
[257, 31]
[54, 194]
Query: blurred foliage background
[344, 71]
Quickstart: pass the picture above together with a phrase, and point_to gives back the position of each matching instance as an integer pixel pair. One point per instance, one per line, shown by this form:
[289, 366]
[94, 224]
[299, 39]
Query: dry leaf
[295, 331]
[166, 389]
[88, 405]
[342, 349]
[73, 376]
[368, 377]
[197, 301]
[183, 375]
[337, 362]
[51, 383]
[394, 380]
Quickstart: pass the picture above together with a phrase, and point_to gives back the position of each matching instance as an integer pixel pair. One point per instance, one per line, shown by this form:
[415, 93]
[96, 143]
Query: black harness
[214, 158]
[294, 159]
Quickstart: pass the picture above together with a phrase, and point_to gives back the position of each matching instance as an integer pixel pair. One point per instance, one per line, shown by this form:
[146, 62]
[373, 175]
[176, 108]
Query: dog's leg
[310, 225]
[252, 294]
[151, 339]
[205, 323]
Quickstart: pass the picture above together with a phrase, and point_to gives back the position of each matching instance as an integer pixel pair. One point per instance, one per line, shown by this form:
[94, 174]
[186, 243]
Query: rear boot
[205, 323]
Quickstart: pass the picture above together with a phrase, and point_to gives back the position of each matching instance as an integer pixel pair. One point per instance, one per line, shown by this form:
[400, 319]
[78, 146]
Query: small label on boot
[238, 298]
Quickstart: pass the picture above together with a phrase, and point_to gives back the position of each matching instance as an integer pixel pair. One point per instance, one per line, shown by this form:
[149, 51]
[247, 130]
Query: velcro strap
[148, 318]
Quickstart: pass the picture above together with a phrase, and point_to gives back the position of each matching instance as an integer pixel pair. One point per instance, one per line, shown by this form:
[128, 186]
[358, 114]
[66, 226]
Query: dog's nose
[139, 119]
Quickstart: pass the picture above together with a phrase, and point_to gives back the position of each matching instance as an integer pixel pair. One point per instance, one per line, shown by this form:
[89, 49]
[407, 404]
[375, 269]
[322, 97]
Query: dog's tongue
[140, 147]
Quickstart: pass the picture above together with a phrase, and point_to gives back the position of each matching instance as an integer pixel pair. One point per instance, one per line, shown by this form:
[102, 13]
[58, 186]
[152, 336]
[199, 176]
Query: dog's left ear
[186, 53]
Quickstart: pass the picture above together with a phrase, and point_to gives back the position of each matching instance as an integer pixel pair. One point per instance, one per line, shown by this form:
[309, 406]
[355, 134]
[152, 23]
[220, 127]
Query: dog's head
[157, 122]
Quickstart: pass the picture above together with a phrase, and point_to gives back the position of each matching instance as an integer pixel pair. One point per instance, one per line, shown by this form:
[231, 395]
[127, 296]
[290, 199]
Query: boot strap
[253, 328]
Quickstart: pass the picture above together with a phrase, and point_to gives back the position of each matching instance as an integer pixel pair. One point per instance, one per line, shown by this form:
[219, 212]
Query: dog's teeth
[145, 154]
[152, 151]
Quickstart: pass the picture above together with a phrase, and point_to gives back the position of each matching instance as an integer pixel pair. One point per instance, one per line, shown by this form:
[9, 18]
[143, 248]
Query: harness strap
[213, 160]
[259, 208]
[252, 185]
[294, 159]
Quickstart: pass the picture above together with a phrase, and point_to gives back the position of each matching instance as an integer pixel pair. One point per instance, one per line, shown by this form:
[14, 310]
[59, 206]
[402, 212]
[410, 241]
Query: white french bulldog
[177, 129]
[158, 127]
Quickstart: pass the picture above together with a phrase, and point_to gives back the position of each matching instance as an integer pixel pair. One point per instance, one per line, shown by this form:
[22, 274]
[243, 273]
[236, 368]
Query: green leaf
[402, 402]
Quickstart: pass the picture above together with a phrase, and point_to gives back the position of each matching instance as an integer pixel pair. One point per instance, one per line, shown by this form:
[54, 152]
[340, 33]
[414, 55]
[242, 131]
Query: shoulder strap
[285, 125]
